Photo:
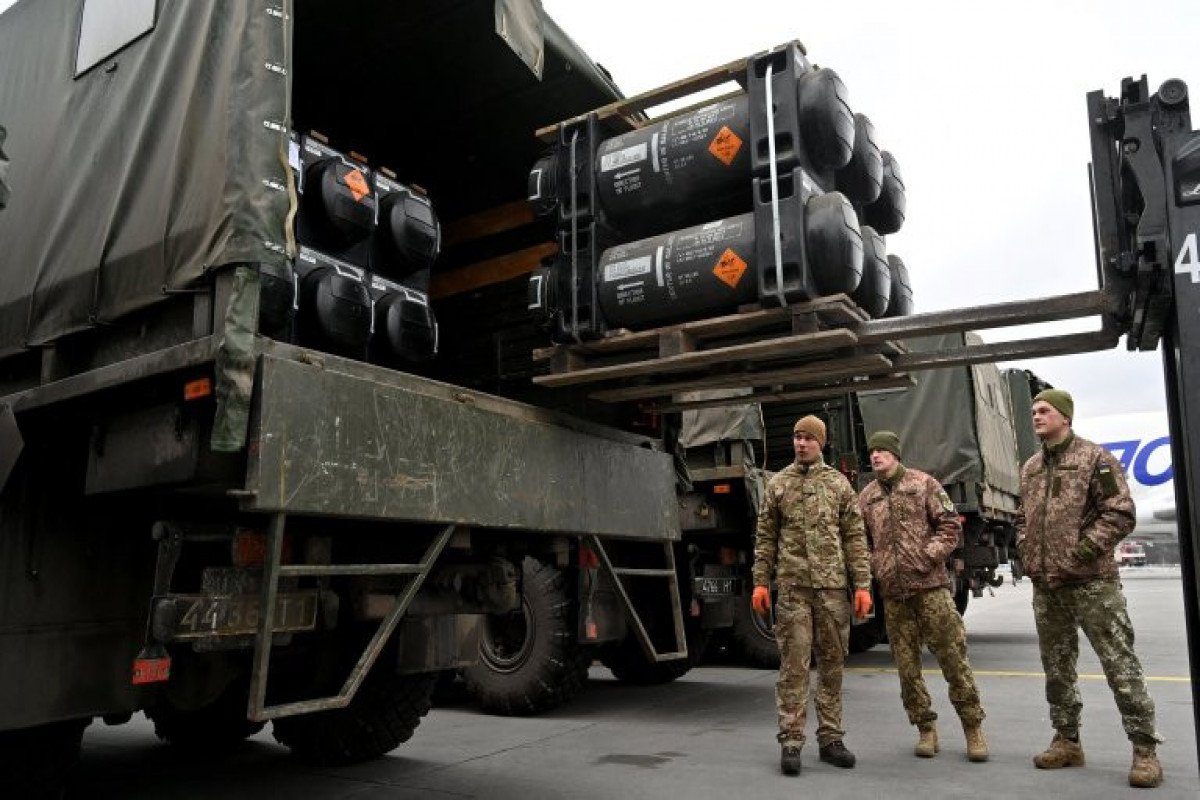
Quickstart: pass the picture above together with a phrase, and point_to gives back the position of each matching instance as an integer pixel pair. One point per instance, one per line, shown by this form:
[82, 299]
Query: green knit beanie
[884, 440]
[1060, 399]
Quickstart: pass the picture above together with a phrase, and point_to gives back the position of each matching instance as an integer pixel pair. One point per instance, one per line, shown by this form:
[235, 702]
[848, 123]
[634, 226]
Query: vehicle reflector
[151, 670]
[722, 488]
[197, 389]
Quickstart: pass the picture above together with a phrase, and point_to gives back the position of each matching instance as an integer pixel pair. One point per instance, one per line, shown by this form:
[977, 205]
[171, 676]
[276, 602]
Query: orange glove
[862, 603]
[760, 601]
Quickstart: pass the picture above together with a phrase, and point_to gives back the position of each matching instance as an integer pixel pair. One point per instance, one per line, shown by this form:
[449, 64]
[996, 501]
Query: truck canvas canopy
[149, 142]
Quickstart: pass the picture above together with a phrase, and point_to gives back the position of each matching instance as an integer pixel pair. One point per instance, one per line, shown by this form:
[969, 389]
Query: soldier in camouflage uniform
[913, 527]
[1076, 508]
[809, 536]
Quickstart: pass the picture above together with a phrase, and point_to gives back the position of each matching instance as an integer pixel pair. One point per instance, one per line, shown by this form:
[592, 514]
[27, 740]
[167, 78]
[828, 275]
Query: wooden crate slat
[805, 375]
[785, 395]
[728, 325]
[663, 94]
[488, 222]
[767, 348]
[492, 270]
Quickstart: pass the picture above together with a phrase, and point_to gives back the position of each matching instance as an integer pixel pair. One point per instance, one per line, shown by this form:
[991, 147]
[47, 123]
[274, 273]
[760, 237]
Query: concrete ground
[711, 734]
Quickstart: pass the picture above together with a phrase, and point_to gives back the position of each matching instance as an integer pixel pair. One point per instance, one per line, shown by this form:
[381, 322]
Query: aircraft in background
[1142, 443]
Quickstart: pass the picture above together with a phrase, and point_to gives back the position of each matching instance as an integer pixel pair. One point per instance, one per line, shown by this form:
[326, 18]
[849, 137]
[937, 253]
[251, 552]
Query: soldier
[810, 534]
[913, 528]
[1076, 508]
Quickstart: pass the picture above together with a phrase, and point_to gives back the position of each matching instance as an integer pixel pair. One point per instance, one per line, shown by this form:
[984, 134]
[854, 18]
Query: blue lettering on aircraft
[1135, 459]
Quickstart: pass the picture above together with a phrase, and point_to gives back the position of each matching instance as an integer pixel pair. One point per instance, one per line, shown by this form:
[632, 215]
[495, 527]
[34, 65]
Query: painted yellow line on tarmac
[1007, 673]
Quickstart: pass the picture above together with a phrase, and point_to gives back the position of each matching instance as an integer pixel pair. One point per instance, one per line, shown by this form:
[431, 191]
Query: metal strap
[776, 234]
[575, 245]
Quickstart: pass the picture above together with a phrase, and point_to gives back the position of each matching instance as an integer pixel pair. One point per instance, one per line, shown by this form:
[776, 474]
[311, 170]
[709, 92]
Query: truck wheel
[36, 762]
[530, 660]
[753, 637]
[629, 664]
[383, 714]
[216, 726]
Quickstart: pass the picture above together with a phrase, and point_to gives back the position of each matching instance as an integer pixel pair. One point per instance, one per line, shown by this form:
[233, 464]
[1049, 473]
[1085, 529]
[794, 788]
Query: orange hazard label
[356, 182]
[730, 268]
[725, 145]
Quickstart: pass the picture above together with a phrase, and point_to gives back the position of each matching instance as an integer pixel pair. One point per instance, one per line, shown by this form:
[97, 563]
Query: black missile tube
[697, 165]
[711, 269]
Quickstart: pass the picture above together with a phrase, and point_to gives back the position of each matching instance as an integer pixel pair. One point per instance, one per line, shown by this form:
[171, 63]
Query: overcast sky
[983, 107]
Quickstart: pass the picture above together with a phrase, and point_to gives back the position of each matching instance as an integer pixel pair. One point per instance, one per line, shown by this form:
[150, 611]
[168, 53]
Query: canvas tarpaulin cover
[135, 177]
[954, 424]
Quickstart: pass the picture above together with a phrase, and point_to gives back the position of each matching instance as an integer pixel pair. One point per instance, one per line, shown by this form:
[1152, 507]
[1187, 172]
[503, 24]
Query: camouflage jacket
[1070, 492]
[912, 527]
[810, 532]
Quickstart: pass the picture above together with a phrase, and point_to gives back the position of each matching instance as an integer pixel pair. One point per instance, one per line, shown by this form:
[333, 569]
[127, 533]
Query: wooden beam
[806, 374]
[784, 395]
[663, 94]
[489, 222]
[819, 342]
[490, 271]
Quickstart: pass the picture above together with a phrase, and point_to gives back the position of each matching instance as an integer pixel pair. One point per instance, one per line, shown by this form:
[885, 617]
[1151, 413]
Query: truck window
[107, 26]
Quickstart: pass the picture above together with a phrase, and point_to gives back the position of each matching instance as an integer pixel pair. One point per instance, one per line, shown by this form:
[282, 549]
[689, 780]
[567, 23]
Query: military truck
[233, 489]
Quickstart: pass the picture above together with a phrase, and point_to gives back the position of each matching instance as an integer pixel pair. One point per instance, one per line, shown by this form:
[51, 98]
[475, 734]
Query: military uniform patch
[1108, 481]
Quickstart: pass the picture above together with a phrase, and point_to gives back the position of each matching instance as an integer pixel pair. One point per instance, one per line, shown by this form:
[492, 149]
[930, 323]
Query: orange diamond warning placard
[725, 145]
[357, 184]
[730, 268]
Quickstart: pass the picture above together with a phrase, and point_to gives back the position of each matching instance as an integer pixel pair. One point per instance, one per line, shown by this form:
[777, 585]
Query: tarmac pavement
[711, 734]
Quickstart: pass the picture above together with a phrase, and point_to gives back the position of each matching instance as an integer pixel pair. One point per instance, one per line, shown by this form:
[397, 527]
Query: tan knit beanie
[812, 426]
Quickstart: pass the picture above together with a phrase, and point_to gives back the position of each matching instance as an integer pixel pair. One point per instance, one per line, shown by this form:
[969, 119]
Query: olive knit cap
[884, 440]
[1060, 399]
[812, 426]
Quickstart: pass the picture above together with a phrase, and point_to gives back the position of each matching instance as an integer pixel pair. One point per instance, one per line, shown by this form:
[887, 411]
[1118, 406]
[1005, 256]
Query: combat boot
[1146, 772]
[927, 745]
[977, 746]
[1062, 752]
[789, 759]
[836, 753]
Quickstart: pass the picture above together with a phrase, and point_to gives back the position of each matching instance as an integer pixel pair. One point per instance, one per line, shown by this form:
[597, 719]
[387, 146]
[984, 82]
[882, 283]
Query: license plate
[180, 617]
[716, 586]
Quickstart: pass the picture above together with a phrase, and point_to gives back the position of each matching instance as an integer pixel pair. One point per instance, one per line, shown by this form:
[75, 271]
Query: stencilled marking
[623, 270]
[1188, 260]
[623, 157]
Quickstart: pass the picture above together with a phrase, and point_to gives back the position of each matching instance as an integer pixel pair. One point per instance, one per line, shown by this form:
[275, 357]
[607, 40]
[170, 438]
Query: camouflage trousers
[811, 625]
[929, 618]
[1098, 608]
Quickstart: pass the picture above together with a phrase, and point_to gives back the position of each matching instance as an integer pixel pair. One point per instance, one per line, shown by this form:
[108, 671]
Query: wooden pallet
[802, 345]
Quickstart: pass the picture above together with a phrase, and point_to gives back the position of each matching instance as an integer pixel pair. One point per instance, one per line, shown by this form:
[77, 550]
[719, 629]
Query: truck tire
[383, 714]
[753, 637]
[628, 663]
[219, 725]
[530, 661]
[36, 762]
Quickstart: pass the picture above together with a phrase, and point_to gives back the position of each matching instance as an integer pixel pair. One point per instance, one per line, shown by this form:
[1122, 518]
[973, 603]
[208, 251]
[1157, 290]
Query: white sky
[983, 106]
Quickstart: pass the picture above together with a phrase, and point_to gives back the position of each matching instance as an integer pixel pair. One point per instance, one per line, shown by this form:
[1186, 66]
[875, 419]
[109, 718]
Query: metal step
[273, 570]
[639, 628]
